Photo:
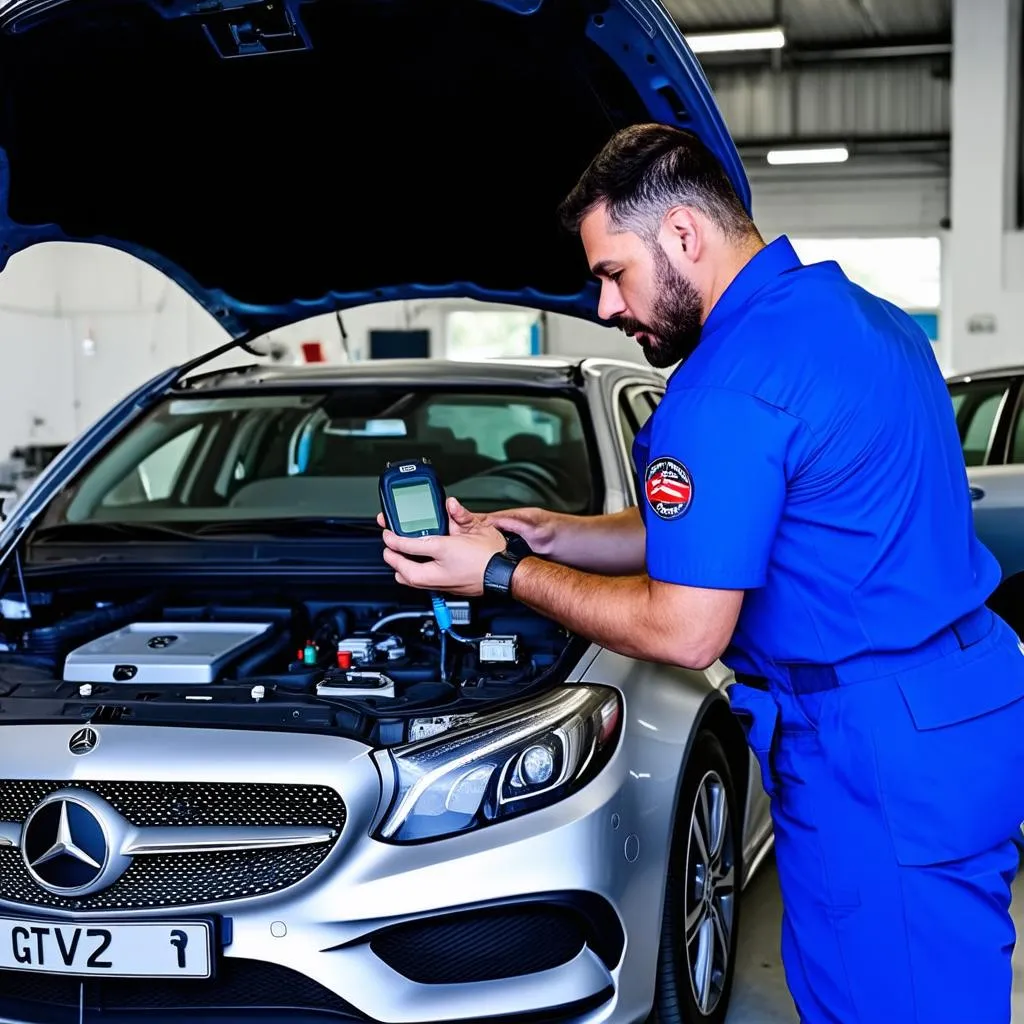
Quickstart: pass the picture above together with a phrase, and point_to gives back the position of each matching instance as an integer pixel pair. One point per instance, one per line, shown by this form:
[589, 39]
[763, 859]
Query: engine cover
[163, 652]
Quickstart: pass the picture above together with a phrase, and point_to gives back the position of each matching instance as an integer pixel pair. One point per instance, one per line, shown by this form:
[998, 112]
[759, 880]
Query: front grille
[183, 879]
[239, 985]
[483, 945]
[154, 804]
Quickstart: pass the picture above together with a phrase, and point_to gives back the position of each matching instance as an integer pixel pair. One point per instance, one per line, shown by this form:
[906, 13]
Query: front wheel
[697, 957]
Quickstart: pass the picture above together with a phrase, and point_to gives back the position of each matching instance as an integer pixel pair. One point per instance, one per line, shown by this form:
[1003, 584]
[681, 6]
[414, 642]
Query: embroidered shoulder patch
[669, 488]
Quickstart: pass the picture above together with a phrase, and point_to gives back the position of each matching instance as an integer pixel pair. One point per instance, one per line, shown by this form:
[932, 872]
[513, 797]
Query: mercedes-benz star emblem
[71, 843]
[83, 741]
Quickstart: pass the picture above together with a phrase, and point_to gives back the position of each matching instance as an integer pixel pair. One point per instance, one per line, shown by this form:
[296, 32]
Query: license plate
[152, 949]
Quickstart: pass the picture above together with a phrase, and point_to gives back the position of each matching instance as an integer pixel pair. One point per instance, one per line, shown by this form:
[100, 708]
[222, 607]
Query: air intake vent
[484, 945]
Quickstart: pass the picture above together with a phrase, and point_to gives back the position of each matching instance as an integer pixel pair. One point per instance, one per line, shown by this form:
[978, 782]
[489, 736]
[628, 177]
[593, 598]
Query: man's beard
[675, 323]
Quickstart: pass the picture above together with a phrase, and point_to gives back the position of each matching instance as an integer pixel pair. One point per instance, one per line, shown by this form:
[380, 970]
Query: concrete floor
[759, 991]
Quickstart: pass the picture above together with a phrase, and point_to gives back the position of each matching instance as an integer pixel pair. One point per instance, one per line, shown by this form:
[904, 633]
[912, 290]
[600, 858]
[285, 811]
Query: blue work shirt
[807, 453]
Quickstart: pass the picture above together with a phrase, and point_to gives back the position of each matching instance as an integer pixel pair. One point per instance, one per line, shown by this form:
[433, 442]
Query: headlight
[501, 764]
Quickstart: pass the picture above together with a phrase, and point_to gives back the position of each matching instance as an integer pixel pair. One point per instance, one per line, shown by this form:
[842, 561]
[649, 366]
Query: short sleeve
[714, 487]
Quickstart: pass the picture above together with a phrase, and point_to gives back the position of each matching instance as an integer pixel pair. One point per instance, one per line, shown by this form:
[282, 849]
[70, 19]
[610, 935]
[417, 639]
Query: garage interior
[924, 205]
[883, 134]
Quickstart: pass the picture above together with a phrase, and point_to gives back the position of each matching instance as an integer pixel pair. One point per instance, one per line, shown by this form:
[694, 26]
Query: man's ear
[683, 233]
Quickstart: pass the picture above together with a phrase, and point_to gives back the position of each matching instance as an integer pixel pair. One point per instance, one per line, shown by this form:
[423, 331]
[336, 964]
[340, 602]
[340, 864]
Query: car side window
[977, 407]
[1017, 439]
[635, 407]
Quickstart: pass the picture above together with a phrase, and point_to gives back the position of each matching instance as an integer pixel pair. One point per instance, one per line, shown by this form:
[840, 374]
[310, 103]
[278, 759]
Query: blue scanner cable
[444, 620]
[443, 615]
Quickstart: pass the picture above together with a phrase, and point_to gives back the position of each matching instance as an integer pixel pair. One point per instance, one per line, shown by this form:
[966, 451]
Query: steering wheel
[539, 478]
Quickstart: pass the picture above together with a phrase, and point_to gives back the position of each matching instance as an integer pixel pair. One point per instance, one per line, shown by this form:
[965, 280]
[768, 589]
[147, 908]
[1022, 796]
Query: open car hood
[292, 157]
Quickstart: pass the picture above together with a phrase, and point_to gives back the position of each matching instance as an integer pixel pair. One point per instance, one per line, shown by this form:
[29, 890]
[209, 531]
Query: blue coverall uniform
[807, 453]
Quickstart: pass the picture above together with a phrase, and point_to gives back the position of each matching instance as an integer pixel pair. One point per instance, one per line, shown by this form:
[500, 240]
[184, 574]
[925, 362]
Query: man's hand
[457, 562]
[535, 525]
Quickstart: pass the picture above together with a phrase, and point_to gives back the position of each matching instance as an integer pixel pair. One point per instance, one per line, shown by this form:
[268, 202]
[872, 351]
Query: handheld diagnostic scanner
[413, 500]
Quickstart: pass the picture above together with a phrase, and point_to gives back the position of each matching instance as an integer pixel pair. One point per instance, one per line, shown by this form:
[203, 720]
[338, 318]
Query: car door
[989, 420]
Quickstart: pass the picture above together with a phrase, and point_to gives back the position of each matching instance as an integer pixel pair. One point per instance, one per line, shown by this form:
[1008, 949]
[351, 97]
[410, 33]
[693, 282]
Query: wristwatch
[498, 574]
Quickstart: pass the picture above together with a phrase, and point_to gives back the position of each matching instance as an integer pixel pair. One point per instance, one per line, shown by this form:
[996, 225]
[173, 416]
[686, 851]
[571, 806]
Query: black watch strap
[498, 574]
[515, 545]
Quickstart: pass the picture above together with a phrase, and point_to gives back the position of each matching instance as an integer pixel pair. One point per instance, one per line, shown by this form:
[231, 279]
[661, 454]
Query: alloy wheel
[710, 892]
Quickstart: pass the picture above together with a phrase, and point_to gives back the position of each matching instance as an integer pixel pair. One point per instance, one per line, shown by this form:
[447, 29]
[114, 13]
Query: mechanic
[805, 517]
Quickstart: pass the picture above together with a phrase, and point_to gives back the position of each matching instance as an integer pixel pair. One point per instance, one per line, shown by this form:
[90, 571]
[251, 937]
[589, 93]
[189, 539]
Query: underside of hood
[294, 157]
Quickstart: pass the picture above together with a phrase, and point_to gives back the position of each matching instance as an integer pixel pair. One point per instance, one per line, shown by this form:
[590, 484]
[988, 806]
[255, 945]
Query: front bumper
[524, 920]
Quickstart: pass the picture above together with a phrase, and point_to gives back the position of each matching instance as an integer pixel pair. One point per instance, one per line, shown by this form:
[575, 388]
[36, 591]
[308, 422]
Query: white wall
[982, 322]
[81, 326]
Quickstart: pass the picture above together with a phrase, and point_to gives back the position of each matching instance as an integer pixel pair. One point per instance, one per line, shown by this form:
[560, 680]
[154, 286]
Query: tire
[691, 988]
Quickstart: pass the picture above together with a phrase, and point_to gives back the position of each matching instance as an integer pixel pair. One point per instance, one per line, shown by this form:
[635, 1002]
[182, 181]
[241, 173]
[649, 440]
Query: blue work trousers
[897, 800]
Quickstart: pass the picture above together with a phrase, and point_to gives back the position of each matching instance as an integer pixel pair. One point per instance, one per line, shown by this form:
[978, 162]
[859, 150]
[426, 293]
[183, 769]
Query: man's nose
[610, 304]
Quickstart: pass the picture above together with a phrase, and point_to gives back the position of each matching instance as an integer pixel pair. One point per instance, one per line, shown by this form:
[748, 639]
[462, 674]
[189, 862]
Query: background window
[492, 335]
[906, 271]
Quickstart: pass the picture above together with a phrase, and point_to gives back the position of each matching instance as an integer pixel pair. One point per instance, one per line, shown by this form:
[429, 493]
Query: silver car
[243, 772]
[244, 775]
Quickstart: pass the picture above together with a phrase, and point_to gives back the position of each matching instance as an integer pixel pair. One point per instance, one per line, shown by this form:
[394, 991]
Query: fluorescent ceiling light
[818, 155]
[746, 39]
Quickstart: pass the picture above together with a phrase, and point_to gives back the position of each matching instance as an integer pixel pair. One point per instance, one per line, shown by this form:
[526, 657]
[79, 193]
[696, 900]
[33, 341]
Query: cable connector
[441, 613]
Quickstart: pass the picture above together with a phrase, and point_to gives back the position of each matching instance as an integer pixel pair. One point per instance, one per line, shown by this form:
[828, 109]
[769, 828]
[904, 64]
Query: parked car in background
[989, 408]
[989, 417]
[242, 773]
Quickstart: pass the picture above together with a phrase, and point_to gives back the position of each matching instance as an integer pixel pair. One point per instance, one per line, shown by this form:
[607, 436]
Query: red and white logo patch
[669, 488]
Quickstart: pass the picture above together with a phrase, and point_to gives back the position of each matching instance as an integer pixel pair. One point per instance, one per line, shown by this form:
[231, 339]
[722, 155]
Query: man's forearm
[610, 544]
[616, 612]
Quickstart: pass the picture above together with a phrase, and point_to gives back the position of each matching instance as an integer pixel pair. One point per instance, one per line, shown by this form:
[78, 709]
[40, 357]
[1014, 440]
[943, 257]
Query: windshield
[221, 458]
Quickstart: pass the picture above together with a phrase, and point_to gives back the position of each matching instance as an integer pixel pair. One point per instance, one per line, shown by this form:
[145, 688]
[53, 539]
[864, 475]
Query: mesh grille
[183, 879]
[482, 946]
[240, 984]
[155, 804]
[174, 880]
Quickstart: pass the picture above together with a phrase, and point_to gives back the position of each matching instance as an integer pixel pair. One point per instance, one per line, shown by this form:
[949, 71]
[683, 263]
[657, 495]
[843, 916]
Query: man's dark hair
[645, 170]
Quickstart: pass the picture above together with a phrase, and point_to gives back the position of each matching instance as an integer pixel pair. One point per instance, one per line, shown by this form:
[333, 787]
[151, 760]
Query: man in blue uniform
[805, 516]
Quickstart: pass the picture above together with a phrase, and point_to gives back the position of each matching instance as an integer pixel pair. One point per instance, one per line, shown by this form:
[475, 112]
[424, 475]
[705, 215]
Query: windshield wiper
[101, 530]
[298, 526]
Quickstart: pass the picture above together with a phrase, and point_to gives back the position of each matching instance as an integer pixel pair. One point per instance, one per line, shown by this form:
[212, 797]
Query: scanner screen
[415, 505]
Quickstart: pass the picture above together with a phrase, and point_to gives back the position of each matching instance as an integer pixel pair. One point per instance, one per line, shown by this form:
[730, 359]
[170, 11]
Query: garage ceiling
[873, 75]
[820, 22]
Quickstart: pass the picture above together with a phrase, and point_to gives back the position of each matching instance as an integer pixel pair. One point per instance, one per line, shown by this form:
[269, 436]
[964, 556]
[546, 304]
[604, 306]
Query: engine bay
[377, 666]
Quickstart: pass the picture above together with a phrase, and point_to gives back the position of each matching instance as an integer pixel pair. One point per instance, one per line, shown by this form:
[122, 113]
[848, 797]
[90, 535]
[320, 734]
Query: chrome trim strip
[10, 833]
[215, 839]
